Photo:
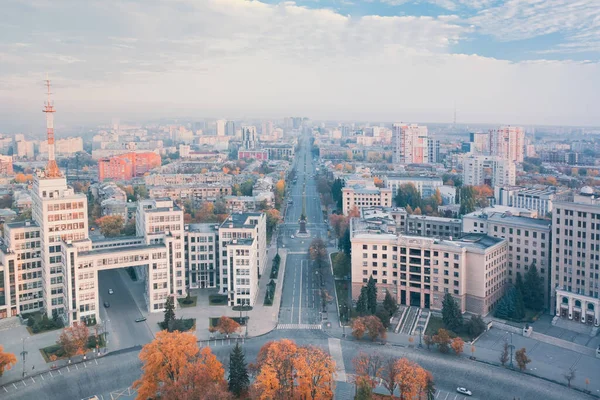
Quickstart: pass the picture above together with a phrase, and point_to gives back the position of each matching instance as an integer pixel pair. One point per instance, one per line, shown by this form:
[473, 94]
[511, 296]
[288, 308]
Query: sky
[495, 61]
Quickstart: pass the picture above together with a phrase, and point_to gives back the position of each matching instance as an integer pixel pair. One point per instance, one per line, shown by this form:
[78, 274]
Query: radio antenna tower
[52, 170]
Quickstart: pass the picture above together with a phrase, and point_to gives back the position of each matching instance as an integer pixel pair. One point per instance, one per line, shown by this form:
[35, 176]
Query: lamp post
[420, 328]
[105, 336]
[24, 355]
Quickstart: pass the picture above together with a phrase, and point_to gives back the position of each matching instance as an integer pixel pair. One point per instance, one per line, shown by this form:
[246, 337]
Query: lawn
[188, 301]
[436, 323]
[57, 350]
[217, 300]
[341, 288]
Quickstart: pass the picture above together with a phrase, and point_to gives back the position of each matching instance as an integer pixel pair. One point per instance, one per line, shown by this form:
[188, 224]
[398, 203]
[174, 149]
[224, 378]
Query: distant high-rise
[508, 142]
[230, 128]
[480, 142]
[221, 127]
[409, 144]
[433, 150]
[249, 141]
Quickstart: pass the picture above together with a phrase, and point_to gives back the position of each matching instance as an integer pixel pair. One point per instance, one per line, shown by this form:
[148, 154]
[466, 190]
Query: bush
[181, 324]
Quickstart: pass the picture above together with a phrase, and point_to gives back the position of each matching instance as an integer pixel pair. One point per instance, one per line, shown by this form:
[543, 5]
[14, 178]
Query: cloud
[155, 59]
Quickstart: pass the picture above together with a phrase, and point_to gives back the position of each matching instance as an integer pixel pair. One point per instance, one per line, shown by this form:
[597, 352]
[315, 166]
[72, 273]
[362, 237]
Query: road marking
[24, 384]
[437, 394]
[52, 376]
[15, 386]
[43, 377]
[76, 367]
[85, 365]
[4, 389]
[32, 379]
[67, 369]
[300, 306]
[447, 394]
[60, 372]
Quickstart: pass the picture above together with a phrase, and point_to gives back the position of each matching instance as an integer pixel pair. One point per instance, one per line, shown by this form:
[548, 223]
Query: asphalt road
[120, 317]
[117, 372]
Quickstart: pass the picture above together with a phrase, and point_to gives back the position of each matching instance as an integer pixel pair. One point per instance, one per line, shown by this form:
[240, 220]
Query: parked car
[110, 291]
[464, 391]
[106, 304]
[141, 319]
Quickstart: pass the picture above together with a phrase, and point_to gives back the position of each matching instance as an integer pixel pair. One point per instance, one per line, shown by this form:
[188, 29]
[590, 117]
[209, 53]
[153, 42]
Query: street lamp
[511, 351]
[105, 336]
[420, 328]
[24, 354]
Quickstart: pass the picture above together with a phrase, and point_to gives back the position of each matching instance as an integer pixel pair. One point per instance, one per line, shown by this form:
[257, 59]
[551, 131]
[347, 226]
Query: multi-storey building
[6, 165]
[242, 256]
[409, 144]
[540, 200]
[187, 179]
[425, 185]
[360, 196]
[576, 256]
[503, 172]
[127, 166]
[419, 271]
[528, 239]
[480, 142]
[438, 227]
[197, 193]
[508, 142]
[66, 146]
[433, 151]
[201, 260]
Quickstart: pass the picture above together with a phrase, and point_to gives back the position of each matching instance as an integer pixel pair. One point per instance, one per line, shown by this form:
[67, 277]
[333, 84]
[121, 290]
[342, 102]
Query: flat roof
[23, 224]
[521, 221]
[203, 228]
[116, 250]
[239, 219]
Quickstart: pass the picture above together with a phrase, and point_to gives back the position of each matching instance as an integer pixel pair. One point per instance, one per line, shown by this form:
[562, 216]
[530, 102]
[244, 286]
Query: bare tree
[570, 375]
[388, 374]
[504, 354]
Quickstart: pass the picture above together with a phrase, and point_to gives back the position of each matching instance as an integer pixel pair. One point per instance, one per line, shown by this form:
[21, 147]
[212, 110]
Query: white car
[292, 236]
[110, 291]
[464, 391]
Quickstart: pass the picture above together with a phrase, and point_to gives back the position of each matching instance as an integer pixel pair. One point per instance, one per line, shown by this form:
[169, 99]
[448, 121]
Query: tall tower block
[52, 170]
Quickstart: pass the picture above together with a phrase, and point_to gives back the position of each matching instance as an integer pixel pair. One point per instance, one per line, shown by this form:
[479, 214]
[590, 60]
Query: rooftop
[239, 219]
[22, 224]
[115, 251]
[202, 228]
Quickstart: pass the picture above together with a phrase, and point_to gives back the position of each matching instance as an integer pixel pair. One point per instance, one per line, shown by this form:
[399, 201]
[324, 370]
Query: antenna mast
[52, 170]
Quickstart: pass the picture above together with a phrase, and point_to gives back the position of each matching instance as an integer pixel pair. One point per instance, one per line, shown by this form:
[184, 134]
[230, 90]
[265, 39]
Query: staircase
[409, 320]
[422, 322]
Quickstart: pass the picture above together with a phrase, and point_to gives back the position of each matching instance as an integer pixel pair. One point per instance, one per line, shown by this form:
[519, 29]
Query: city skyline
[329, 60]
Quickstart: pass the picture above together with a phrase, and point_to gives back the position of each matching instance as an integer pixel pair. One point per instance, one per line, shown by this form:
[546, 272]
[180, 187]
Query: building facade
[508, 142]
[410, 144]
[425, 185]
[201, 256]
[540, 200]
[128, 165]
[475, 171]
[437, 227]
[361, 196]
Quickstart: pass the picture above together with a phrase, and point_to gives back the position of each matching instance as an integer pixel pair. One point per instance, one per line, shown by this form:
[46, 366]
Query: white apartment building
[425, 185]
[66, 146]
[201, 260]
[528, 239]
[540, 200]
[418, 271]
[410, 144]
[503, 172]
[438, 227]
[508, 142]
[365, 196]
[187, 179]
[576, 257]
[242, 256]
[480, 142]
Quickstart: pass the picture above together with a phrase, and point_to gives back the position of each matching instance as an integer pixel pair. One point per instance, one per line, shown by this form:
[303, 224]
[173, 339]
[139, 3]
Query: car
[110, 291]
[141, 319]
[292, 236]
[106, 304]
[464, 391]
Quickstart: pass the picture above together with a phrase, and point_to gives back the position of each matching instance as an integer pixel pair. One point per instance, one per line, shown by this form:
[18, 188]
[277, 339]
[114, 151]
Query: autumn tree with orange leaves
[7, 360]
[286, 371]
[412, 379]
[458, 345]
[74, 339]
[227, 326]
[174, 368]
[367, 368]
[369, 325]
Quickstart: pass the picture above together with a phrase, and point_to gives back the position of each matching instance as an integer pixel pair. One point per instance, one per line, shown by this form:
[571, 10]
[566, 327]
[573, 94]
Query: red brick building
[126, 166]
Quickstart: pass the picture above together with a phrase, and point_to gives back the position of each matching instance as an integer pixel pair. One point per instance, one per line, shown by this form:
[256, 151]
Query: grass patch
[436, 323]
[217, 300]
[188, 301]
[38, 323]
[179, 324]
[57, 350]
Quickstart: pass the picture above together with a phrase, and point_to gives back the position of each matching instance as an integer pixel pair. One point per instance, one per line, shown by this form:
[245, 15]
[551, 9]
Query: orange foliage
[7, 360]
[367, 367]
[280, 187]
[339, 224]
[458, 345]
[371, 325]
[354, 212]
[378, 182]
[227, 325]
[315, 373]
[412, 379]
[73, 339]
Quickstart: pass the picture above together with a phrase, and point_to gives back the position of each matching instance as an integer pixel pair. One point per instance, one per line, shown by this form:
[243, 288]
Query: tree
[273, 218]
[239, 380]
[6, 201]
[361, 303]
[129, 229]
[371, 295]
[428, 341]
[389, 303]
[367, 368]
[451, 314]
[522, 359]
[533, 289]
[370, 325]
[442, 339]
[345, 244]
[430, 387]
[358, 328]
[169, 312]
[417, 211]
[504, 355]
[341, 265]
[7, 360]
[164, 359]
[408, 195]
[384, 317]
[339, 223]
[110, 225]
[388, 374]
[227, 326]
[412, 379]
[458, 345]
[318, 252]
[73, 339]
[570, 375]
[315, 373]
[476, 326]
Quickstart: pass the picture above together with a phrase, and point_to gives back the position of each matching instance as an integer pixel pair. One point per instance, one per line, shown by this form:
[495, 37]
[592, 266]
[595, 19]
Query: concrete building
[64, 147]
[480, 142]
[360, 196]
[242, 256]
[197, 193]
[221, 127]
[529, 242]
[433, 151]
[540, 200]
[409, 144]
[576, 255]
[425, 185]
[508, 142]
[201, 256]
[187, 179]
[419, 271]
[230, 128]
[128, 165]
[437, 227]
[475, 171]
[6, 165]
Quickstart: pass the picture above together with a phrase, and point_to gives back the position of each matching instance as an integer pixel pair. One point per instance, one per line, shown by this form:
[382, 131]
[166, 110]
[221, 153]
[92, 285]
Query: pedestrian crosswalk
[298, 326]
